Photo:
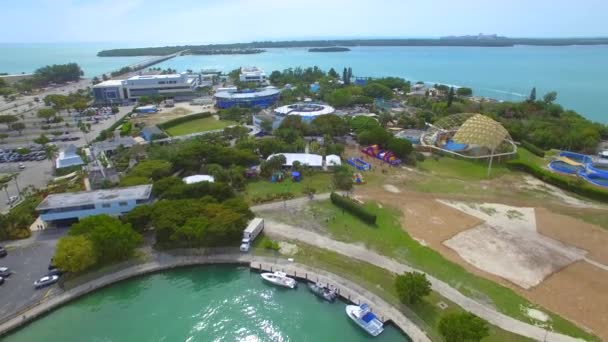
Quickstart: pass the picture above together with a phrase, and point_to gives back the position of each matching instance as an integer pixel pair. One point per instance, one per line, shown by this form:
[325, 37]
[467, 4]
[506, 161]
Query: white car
[21, 166]
[12, 200]
[46, 281]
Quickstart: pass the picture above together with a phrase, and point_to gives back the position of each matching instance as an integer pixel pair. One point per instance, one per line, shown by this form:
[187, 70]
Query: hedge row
[533, 148]
[181, 120]
[353, 208]
[576, 185]
[108, 132]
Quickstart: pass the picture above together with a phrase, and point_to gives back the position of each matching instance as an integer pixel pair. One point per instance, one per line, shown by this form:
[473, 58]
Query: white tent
[198, 178]
[333, 160]
[314, 160]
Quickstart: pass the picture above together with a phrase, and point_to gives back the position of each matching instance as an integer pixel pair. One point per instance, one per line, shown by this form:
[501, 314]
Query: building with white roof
[252, 74]
[111, 91]
[69, 207]
[198, 178]
[68, 157]
[313, 160]
[333, 160]
[263, 98]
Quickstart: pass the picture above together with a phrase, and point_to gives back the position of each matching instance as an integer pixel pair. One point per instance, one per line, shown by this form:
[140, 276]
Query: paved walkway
[361, 253]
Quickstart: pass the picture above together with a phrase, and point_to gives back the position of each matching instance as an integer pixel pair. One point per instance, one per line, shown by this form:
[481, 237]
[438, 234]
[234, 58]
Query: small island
[329, 49]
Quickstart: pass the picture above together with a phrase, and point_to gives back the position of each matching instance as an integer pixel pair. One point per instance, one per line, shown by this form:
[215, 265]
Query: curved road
[361, 253]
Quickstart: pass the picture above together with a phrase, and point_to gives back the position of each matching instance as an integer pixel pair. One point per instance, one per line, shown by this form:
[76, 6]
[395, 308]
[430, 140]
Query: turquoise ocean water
[577, 73]
[215, 303]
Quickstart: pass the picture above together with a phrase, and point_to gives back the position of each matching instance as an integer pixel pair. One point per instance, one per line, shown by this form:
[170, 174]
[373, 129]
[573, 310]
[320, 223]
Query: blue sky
[159, 22]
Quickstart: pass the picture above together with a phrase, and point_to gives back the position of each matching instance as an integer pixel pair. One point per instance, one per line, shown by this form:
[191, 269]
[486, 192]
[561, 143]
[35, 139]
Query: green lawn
[388, 238]
[199, 125]
[462, 169]
[320, 181]
[426, 314]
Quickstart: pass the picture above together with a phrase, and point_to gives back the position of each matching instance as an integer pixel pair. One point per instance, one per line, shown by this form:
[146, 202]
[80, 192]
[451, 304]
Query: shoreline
[165, 262]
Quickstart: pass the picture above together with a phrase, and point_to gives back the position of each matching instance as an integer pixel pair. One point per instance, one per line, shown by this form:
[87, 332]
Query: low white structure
[307, 111]
[313, 160]
[198, 178]
[333, 160]
[68, 157]
[252, 74]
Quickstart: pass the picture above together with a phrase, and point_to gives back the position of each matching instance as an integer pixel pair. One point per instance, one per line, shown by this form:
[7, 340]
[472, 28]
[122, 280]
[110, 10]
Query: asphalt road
[29, 260]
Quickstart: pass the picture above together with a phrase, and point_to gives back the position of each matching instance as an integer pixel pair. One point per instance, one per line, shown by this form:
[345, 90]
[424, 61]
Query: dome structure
[469, 135]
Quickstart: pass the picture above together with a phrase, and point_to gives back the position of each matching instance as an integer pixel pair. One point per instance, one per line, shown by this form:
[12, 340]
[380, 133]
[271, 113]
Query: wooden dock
[348, 291]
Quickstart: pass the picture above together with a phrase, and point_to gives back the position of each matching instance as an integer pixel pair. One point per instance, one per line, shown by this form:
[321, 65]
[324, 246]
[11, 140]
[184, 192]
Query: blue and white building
[68, 157]
[64, 208]
[176, 86]
[262, 98]
[308, 111]
[252, 74]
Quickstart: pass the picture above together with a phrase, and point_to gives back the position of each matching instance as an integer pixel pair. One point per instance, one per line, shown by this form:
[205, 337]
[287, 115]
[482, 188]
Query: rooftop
[246, 95]
[98, 196]
[109, 83]
[303, 158]
[156, 77]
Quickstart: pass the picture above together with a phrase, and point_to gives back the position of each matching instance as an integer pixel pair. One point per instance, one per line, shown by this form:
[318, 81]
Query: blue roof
[368, 317]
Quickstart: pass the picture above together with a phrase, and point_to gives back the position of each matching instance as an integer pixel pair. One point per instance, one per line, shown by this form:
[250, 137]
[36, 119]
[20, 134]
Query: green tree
[42, 140]
[74, 254]
[18, 126]
[266, 125]
[8, 120]
[450, 96]
[50, 152]
[412, 286]
[550, 97]
[47, 113]
[139, 217]
[342, 178]
[345, 76]
[115, 110]
[339, 98]
[79, 106]
[95, 80]
[532, 96]
[3, 136]
[377, 90]
[463, 327]
[112, 240]
[464, 91]
[332, 73]
[375, 135]
[144, 100]
[400, 147]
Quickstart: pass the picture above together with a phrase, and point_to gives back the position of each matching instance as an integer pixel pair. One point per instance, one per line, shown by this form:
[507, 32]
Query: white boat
[365, 318]
[279, 278]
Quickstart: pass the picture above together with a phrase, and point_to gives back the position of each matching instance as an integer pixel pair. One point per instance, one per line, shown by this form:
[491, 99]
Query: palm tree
[51, 152]
[5, 187]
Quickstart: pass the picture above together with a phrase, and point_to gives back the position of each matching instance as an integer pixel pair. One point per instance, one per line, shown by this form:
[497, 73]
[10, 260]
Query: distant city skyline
[160, 22]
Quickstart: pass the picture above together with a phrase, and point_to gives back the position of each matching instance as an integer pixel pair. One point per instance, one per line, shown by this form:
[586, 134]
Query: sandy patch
[391, 188]
[518, 258]
[532, 183]
[508, 245]
[574, 232]
[578, 292]
[287, 248]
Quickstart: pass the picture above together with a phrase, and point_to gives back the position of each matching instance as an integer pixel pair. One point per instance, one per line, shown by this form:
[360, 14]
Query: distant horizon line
[295, 39]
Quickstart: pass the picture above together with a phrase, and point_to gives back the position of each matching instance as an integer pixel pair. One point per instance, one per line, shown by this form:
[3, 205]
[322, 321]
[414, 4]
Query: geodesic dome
[474, 135]
[481, 130]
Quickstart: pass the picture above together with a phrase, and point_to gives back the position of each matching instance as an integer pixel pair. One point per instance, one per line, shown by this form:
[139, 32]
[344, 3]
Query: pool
[560, 166]
[577, 157]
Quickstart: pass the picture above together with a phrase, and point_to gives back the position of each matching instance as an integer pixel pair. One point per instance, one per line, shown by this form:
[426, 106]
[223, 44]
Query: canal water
[208, 303]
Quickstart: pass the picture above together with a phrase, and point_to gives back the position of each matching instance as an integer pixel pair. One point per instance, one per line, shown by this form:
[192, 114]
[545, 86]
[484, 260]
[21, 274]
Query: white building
[198, 178]
[177, 86]
[252, 74]
[68, 157]
[172, 85]
[313, 160]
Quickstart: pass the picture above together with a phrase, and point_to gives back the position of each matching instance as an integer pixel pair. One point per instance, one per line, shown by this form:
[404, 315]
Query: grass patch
[426, 314]
[462, 169]
[320, 181]
[198, 125]
[388, 238]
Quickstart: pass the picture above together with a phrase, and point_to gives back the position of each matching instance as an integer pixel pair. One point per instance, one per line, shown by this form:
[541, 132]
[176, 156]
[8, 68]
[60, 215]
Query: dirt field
[577, 292]
[575, 232]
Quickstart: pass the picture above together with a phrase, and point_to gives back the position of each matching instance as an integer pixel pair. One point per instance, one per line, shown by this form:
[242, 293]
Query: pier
[347, 290]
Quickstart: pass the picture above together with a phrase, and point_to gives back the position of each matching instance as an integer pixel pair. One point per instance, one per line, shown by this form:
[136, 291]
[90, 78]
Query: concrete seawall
[349, 290]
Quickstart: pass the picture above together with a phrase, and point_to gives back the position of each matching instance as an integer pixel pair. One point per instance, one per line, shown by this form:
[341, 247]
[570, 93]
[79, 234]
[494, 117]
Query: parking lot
[28, 260]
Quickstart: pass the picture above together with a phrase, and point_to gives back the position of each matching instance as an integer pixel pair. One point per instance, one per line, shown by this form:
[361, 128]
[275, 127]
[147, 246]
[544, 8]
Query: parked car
[55, 272]
[40, 157]
[1, 280]
[12, 200]
[5, 272]
[21, 166]
[46, 281]
[3, 252]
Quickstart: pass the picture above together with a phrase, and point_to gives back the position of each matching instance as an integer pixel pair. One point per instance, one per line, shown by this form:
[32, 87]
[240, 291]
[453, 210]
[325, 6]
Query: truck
[251, 232]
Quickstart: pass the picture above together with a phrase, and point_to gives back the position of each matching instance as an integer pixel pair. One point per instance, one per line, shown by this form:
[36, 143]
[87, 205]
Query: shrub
[533, 148]
[270, 244]
[564, 182]
[181, 120]
[353, 208]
